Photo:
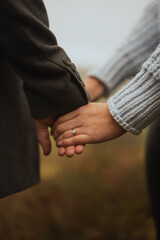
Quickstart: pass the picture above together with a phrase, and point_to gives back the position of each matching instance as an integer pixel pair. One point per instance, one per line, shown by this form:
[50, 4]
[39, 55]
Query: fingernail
[60, 144]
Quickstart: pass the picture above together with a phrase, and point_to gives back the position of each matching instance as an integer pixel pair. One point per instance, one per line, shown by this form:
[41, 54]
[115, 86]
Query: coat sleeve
[51, 82]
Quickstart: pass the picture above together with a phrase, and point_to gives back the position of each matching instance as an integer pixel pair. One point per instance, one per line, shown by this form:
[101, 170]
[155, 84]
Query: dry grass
[100, 195]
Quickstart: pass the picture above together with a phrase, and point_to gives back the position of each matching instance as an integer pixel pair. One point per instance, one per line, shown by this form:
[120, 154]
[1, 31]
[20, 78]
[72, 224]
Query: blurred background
[90, 30]
[102, 194]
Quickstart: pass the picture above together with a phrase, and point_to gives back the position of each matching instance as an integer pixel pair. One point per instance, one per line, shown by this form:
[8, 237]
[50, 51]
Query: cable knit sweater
[137, 104]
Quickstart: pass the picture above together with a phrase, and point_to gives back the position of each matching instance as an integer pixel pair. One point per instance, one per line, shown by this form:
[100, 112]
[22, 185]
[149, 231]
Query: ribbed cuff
[152, 65]
[137, 104]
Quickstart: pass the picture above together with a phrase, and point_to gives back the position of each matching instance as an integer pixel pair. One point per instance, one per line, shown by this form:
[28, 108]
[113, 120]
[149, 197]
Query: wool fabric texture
[137, 104]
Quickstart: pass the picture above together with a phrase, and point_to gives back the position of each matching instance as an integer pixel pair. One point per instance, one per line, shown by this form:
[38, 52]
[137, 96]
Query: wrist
[95, 88]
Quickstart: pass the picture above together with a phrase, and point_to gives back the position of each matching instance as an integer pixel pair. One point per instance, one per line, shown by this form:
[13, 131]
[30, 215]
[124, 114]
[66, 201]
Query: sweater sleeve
[128, 59]
[137, 104]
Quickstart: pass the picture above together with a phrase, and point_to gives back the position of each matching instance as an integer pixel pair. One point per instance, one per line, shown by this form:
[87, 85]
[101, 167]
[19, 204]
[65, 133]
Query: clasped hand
[93, 124]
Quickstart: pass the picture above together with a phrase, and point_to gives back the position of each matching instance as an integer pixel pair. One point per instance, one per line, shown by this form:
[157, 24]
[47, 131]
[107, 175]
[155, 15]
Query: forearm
[137, 104]
[51, 81]
[128, 59]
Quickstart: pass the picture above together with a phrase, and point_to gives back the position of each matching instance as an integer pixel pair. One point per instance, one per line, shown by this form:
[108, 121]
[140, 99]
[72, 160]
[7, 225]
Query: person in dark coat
[38, 80]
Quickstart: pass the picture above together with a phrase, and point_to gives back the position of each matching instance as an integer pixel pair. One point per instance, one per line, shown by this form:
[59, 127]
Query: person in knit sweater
[132, 108]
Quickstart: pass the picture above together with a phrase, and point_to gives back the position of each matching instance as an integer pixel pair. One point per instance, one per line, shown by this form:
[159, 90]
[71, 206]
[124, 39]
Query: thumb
[44, 140]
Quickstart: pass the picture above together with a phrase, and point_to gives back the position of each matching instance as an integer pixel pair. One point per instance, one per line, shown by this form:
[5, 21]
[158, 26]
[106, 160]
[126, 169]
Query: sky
[91, 30]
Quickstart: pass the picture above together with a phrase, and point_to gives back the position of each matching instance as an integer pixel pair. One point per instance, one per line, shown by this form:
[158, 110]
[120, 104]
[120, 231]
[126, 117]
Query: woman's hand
[93, 124]
[96, 90]
[69, 151]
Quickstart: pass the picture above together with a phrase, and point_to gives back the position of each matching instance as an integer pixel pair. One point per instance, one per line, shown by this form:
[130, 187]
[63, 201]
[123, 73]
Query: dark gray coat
[37, 79]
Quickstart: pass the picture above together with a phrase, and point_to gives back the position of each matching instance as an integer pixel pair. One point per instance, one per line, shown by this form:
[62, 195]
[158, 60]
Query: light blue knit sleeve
[137, 104]
[127, 60]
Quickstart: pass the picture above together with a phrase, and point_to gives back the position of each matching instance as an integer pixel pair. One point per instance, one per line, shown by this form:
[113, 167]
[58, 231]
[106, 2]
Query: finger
[79, 149]
[69, 134]
[44, 140]
[60, 129]
[61, 151]
[64, 118]
[70, 151]
[77, 140]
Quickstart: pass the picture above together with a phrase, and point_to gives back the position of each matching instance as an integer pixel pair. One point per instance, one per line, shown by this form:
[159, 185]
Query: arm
[51, 82]
[131, 109]
[128, 59]
[137, 104]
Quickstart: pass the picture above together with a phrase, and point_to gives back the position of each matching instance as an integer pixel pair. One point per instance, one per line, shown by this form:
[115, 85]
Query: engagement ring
[74, 132]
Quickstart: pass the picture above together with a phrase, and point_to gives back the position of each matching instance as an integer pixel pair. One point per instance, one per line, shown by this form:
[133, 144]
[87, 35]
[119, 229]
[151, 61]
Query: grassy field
[100, 195]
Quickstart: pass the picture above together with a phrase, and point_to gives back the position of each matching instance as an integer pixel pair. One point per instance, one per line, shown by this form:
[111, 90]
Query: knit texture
[129, 57]
[137, 104]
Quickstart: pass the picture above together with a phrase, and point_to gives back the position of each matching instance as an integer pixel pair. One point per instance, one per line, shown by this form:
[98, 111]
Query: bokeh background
[102, 194]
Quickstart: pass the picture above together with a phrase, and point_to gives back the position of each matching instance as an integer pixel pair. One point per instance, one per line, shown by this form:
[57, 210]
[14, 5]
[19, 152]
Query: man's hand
[44, 139]
[96, 90]
[43, 133]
